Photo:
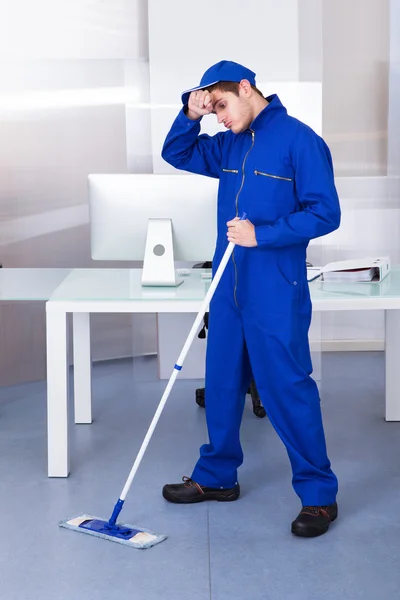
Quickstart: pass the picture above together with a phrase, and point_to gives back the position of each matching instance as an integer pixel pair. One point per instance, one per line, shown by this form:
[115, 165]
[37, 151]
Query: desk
[85, 291]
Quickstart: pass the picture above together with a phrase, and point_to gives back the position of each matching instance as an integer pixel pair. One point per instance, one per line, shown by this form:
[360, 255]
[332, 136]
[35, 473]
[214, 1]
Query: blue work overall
[280, 173]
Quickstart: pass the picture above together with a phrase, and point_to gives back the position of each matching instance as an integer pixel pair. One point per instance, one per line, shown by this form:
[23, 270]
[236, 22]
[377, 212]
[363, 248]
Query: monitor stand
[158, 264]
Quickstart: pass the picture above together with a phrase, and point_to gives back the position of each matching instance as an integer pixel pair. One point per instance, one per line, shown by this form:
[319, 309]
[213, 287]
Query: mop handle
[179, 364]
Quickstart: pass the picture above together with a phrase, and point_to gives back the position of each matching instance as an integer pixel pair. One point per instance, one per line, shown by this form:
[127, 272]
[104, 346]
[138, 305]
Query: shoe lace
[188, 482]
[316, 510]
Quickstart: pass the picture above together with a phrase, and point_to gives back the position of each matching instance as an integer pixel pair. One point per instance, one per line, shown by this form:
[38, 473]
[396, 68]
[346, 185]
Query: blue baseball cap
[225, 70]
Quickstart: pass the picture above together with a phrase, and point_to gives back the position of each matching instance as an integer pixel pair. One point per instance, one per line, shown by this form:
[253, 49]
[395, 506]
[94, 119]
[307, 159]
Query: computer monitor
[155, 218]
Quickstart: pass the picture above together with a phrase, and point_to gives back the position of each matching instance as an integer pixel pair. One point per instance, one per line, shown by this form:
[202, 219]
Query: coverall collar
[268, 113]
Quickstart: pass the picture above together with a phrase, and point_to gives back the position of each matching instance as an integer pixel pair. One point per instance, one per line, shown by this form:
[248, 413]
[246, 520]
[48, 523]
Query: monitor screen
[121, 206]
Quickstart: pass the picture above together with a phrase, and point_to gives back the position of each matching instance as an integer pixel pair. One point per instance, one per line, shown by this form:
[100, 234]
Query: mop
[131, 535]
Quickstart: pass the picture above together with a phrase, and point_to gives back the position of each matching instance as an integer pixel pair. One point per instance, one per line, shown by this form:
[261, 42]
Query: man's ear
[245, 86]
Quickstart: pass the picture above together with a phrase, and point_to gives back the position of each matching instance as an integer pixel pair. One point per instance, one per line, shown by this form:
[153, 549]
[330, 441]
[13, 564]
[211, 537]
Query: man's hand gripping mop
[129, 534]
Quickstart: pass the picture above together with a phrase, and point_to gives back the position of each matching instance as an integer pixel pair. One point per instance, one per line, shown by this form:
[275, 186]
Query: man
[279, 172]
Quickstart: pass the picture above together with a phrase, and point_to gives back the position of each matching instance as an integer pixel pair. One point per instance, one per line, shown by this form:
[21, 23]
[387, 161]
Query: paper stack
[353, 275]
[357, 270]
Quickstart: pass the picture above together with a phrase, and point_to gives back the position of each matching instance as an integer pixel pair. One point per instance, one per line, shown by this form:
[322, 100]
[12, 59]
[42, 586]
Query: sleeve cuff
[261, 233]
[184, 118]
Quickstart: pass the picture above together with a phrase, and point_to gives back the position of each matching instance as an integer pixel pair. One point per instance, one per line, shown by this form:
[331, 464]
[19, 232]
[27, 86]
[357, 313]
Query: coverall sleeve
[316, 191]
[185, 149]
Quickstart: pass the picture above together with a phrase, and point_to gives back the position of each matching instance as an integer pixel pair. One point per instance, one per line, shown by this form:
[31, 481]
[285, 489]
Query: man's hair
[230, 86]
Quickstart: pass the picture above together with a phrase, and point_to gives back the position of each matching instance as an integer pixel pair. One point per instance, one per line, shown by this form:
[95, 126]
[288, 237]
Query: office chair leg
[200, 399]
[258, 408]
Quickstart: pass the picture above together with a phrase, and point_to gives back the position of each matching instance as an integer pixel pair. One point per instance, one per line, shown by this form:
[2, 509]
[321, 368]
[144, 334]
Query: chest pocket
[272, 175]
[234, 171]
[273, 195]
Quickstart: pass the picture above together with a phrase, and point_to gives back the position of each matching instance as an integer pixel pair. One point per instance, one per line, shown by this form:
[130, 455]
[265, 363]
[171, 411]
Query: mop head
[122, 534]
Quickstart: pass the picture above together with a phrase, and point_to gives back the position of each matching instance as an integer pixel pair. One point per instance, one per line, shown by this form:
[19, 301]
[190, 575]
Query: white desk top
[123, 285]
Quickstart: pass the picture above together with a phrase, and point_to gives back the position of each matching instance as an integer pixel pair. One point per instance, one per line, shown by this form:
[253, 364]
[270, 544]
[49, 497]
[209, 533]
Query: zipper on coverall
[237, 210]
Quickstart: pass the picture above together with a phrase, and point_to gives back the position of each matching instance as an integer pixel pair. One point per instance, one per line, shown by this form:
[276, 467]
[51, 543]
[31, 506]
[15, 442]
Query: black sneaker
[190, 492]
[314, 520]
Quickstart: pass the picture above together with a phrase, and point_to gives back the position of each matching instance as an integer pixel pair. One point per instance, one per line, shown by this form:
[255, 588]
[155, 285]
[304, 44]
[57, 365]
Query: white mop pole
[178, 366]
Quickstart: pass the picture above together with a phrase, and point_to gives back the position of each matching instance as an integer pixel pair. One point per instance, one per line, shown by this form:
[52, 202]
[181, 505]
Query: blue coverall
[279, 172]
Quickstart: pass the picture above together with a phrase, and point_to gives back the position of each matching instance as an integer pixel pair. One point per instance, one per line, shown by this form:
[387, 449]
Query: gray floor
[240, 550]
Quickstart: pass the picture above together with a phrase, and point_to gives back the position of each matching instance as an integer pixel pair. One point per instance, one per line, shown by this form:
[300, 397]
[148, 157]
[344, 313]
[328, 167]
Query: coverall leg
[228, 376]
[276, 341]
[291, 399]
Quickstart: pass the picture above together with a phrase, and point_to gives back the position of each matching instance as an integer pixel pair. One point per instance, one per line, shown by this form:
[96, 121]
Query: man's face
[233, 111]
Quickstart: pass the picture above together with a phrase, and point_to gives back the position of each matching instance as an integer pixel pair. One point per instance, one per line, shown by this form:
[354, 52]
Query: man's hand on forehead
[203, 99]
[209, 98]
[200, 103]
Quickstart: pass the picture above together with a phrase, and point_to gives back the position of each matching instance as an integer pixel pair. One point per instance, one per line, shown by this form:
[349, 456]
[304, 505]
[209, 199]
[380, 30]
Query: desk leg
[57, 391]
[392, 365]
[82, 368]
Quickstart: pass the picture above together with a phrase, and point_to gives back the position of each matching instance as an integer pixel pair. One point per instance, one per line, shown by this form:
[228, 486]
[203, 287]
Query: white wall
[51, 50]
[158, 48]
[394, 91]
[356, 39]
[77, 29]
[356, 107]
[194, 39]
